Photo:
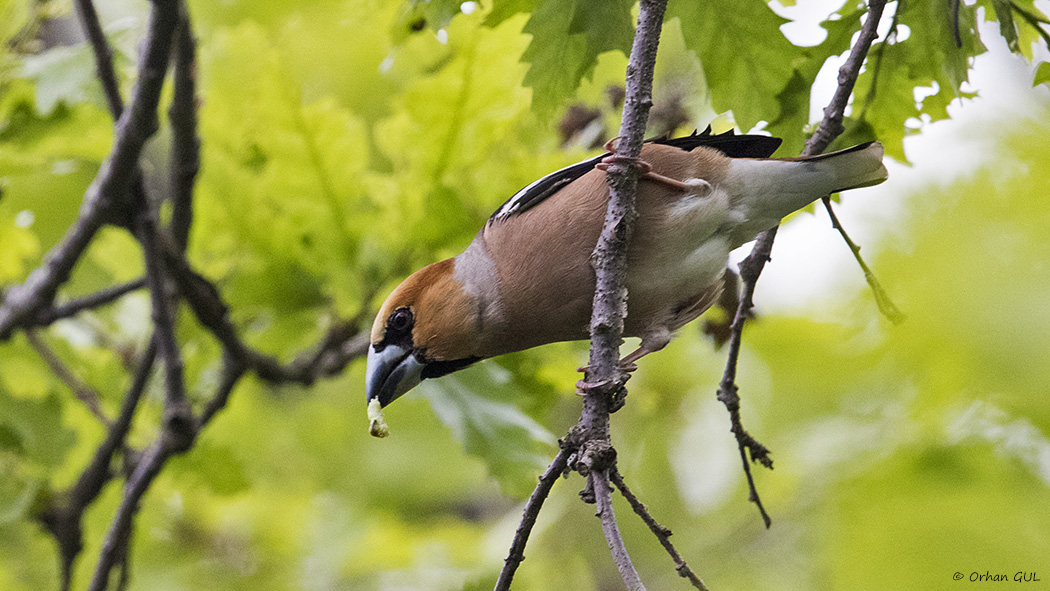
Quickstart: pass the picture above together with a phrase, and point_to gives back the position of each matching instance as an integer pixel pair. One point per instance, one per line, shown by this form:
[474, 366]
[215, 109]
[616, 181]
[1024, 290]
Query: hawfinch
[526, 279]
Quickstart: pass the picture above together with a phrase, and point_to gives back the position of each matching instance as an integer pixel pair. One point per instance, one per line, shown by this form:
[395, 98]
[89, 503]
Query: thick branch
[185, 145]
[751, 268]
[609, 259]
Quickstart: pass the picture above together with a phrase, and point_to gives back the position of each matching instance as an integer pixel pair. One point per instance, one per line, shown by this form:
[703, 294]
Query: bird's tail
[772, 189]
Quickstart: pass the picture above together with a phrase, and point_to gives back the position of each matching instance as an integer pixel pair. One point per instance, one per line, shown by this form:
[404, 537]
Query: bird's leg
[645, 171]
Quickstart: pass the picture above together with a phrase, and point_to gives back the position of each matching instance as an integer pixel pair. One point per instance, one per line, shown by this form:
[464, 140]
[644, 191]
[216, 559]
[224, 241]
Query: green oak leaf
[747, 60]
[478, 407]
[567, 37]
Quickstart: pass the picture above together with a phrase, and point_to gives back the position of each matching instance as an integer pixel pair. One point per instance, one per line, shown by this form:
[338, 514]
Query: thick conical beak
[390, 373]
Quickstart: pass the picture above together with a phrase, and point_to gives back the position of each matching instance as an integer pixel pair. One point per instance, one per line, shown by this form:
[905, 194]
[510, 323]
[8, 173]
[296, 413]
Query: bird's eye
[400, 320]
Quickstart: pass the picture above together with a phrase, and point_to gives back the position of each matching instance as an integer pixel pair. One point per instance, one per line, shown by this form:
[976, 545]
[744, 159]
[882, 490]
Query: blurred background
[347, 143]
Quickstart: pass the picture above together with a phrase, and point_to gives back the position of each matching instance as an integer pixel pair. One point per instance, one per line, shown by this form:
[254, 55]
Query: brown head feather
[442, 310]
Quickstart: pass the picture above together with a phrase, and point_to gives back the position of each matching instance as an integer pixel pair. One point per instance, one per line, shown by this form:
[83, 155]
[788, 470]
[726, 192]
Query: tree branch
[178, 416]
[528, 519]
[64, 520]
[212, 312]
[604, 376]
[86, 394]
[662, 533]
[147, 469]
[599, 482]
[185, 145]
[98, 299]
[751, 268]
[107, 75]
[135, 125]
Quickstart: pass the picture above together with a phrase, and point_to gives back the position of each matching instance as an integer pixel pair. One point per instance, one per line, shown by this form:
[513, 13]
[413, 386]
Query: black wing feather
[730, 144]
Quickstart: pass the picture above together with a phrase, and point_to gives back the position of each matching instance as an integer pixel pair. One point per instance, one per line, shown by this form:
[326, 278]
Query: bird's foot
[611, 388]
[624, 365]
[645, 171]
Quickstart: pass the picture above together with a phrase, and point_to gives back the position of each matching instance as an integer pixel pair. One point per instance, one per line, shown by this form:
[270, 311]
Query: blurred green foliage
[347, 143]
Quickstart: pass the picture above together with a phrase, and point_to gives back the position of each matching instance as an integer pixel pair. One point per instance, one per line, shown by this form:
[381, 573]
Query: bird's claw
[623, 365]
[645, 169]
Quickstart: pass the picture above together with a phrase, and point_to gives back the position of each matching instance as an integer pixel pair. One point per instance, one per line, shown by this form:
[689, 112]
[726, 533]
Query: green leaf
[1007, 28]
[63, 74]
[1042, 74]
[16, 497]
[567, 37]
[504, 9]
[747, 60]
[472, 404]
[929, 57]
[18, 246]
[1021, 24]
[38, 425]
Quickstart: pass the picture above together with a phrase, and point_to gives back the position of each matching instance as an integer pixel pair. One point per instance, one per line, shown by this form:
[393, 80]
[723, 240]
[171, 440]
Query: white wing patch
[542, 188]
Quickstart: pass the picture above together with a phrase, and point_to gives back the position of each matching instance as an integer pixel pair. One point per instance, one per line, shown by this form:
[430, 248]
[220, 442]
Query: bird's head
[425, 329]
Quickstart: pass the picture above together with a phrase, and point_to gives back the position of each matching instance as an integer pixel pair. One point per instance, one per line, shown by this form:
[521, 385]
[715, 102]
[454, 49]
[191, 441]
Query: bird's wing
[730, 144]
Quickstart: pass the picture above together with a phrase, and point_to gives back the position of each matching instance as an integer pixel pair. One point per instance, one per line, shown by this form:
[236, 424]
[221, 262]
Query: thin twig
[528, 519]
[103, 55]
[662, 533]
[830, 126]
[882, 299]
[751, 268]
[212, 312]
[89, 302]
[64, 521]
[599, 482]
[84, 393]
[97, 473]
[231, 374]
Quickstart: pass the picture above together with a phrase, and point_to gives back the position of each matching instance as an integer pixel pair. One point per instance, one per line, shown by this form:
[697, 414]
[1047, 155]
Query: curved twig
[751, 268]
